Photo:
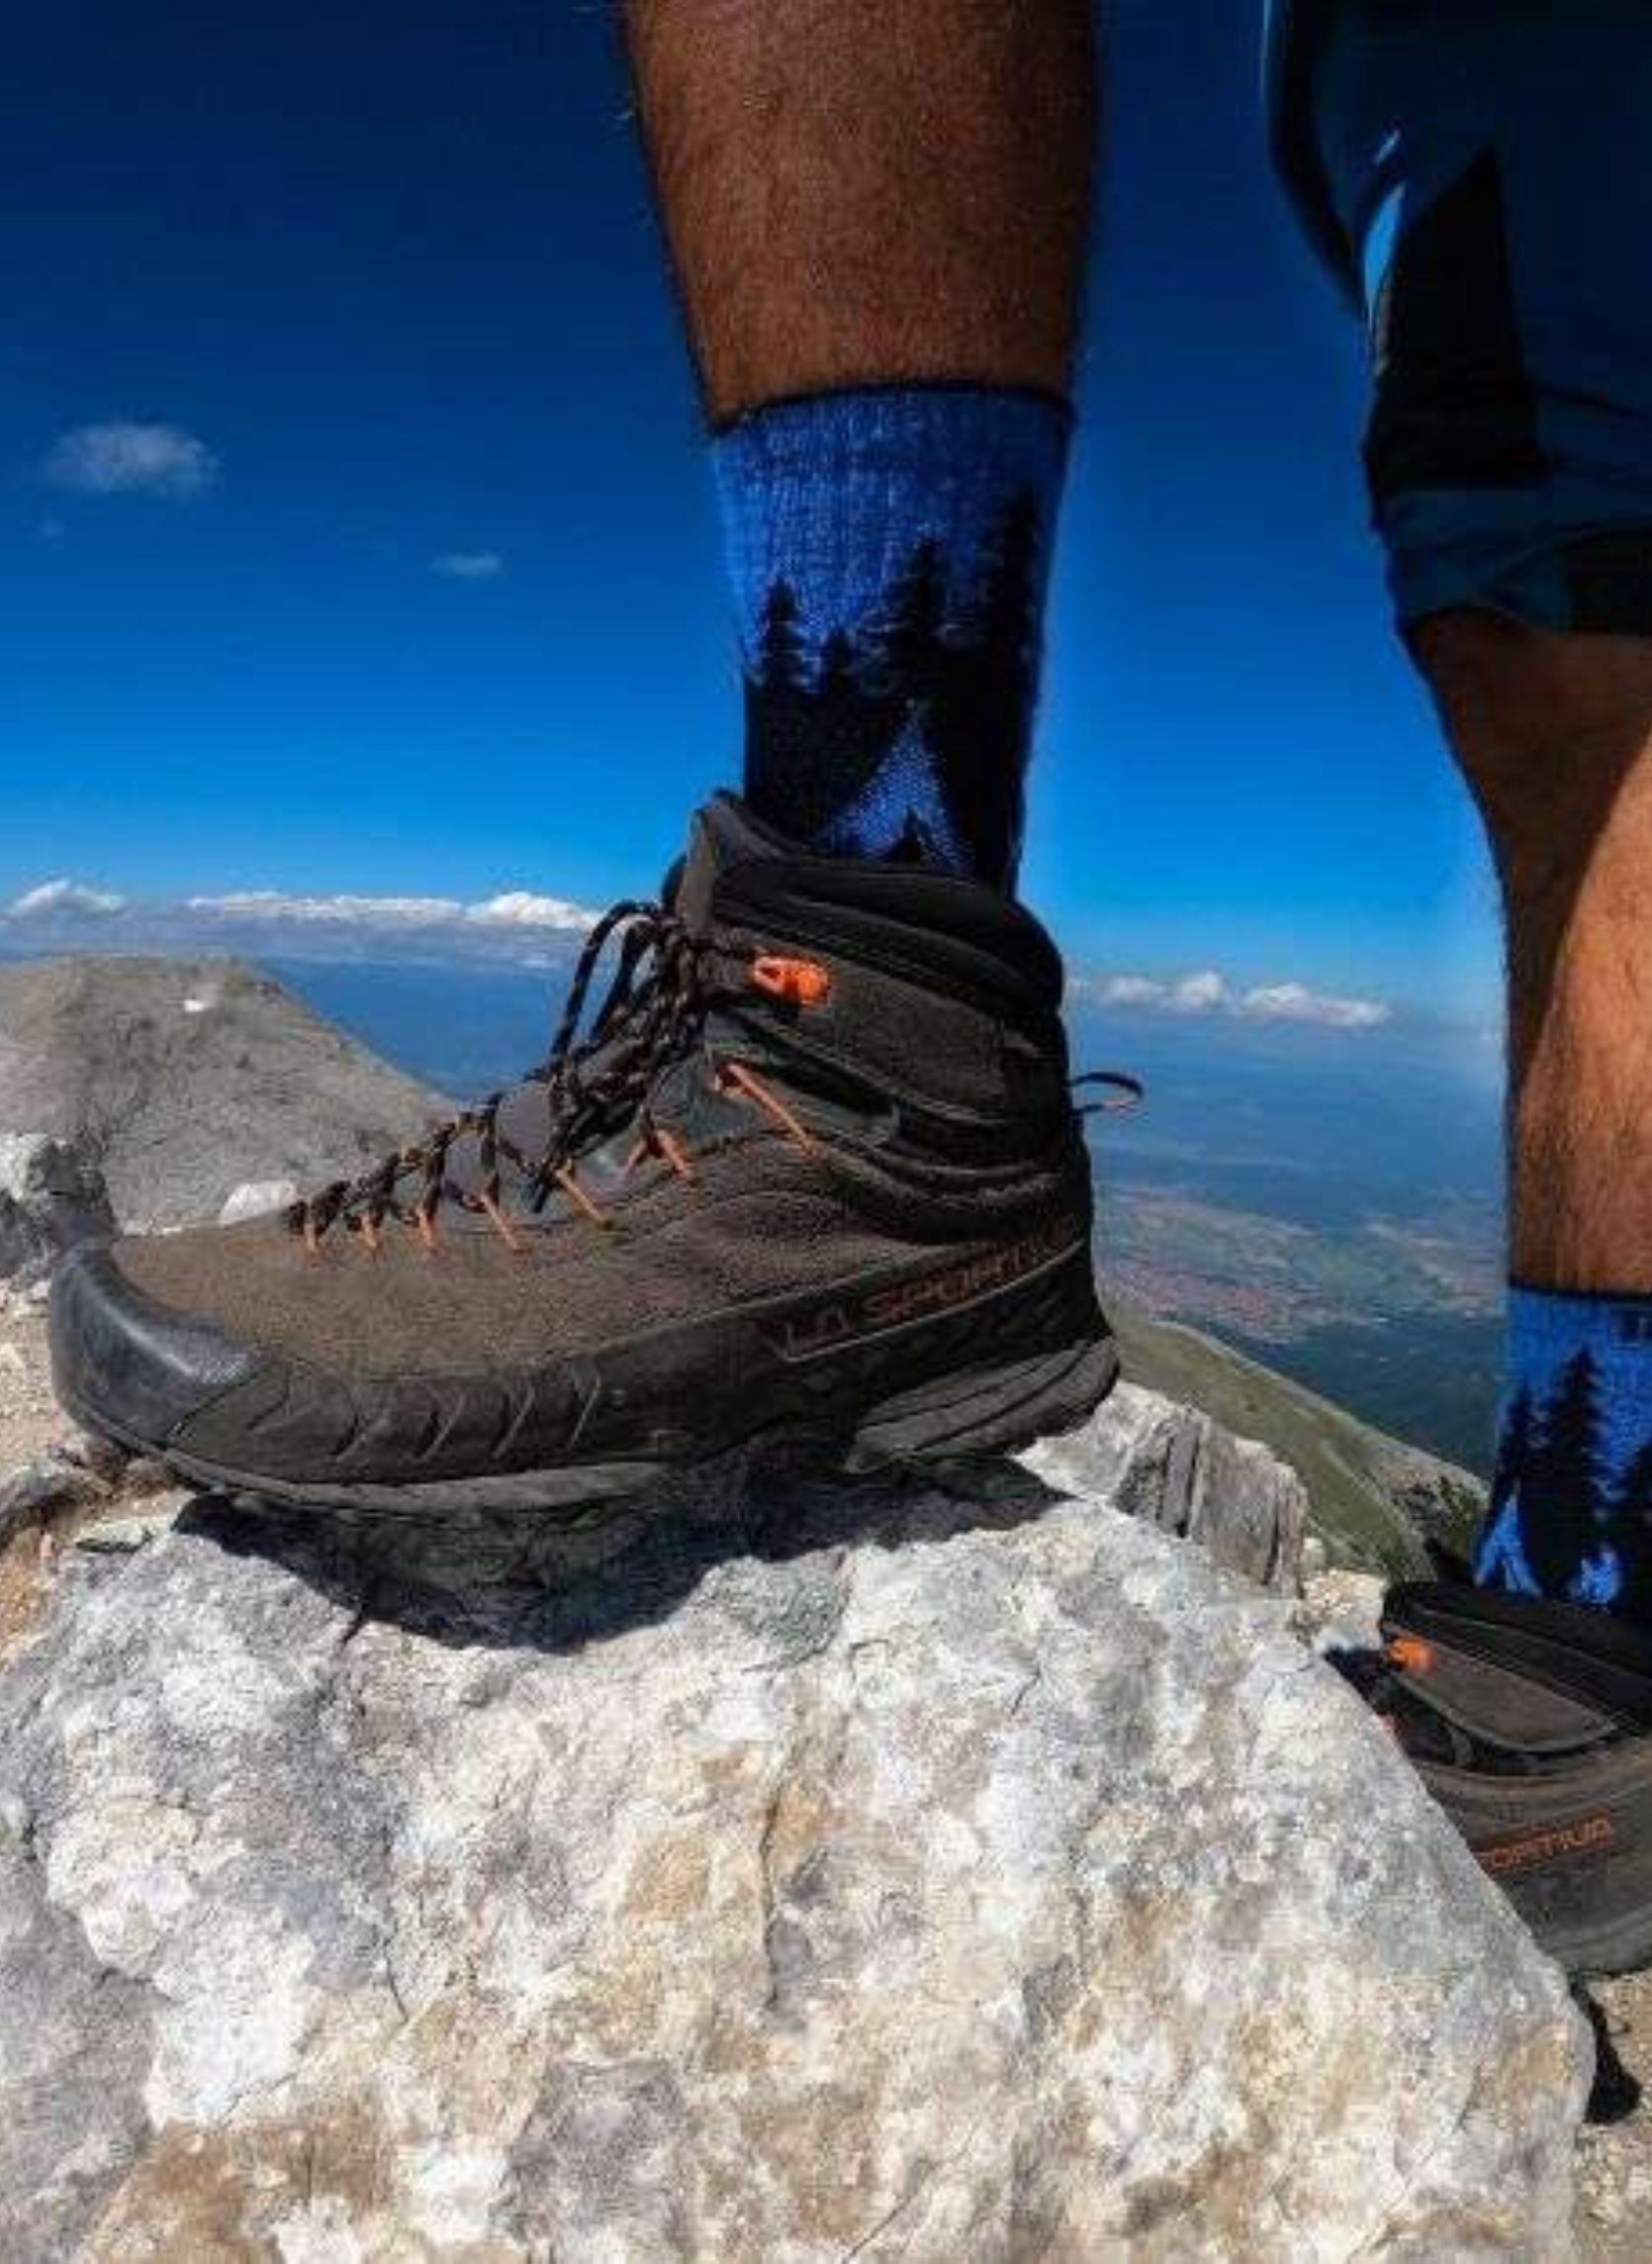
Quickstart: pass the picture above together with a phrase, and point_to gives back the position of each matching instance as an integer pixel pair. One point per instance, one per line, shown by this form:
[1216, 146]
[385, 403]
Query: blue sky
[393, 268]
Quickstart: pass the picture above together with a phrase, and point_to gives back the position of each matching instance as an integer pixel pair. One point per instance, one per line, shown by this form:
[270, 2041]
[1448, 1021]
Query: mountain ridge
[182, 1079]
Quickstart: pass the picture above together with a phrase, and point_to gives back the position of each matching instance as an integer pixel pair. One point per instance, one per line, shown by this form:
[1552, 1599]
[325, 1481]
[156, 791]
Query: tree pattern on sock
[1561, 1523]
[905, 733]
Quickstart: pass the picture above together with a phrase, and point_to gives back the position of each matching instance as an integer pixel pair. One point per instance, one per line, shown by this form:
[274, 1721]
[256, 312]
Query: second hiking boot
[1530, 1723]
[814, 1177]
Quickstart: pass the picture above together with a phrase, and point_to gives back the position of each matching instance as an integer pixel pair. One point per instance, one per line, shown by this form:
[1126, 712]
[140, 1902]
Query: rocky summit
[770, 1874]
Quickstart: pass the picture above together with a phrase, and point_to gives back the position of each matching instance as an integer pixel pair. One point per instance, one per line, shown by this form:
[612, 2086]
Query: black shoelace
[594, 1081]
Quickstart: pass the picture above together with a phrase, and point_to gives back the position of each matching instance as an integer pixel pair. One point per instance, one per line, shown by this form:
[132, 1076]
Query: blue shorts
[1476, 175]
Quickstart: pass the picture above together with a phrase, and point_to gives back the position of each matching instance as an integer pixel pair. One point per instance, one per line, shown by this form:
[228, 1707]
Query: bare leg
[855, 190]
[1554, 734]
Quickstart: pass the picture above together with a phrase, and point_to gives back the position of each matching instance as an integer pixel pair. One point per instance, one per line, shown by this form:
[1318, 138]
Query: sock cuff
[1550, 1324]
[898, 399]
[1581, 1302]
[1019, 439]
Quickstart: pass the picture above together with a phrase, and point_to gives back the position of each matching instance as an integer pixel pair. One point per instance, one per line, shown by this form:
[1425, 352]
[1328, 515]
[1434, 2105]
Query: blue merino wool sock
[1571, 1509]
[889, 551]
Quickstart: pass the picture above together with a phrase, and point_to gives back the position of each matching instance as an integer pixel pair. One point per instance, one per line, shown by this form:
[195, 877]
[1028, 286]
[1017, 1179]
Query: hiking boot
[814, 1177]
[1531, 1725]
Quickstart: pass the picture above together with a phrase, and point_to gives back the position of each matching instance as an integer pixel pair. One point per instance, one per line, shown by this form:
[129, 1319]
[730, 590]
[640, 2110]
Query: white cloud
[1198, 993]
[273, 905]
[469, 565]
[514, 909]
[1294, 1002]
[1132, 991]
[130, 459]
[517, 928]
[64, 896]
[1209, 993]
[1191, 994]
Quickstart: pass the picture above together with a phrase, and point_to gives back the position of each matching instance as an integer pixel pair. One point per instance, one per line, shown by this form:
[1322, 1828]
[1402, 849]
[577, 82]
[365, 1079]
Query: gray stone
[50, 1482]
[255, 1198]
[51, 1198]
[107, 1460]
[1171, 1467]
[118, 1532]
[770, 1874]
[1343, 1611]
[73, 1470]
[73, 2029]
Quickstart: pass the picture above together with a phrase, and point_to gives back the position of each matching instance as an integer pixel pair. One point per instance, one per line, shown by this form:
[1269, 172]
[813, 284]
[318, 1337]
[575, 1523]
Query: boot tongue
[724, 834]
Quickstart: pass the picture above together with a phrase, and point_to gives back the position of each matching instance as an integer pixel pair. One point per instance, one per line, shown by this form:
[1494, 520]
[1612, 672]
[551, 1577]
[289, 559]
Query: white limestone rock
[255, 1198]
[1172, 1466]
[772, 1874]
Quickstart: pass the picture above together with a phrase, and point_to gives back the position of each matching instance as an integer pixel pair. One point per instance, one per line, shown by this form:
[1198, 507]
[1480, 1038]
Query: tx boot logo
[1591, 1837]
[853, 1318]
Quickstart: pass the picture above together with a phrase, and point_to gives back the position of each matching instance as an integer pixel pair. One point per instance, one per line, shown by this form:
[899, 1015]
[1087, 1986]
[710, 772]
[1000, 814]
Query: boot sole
[1600, 1953]
[1589, 1904]
[991, 1410]
[1598, 1949]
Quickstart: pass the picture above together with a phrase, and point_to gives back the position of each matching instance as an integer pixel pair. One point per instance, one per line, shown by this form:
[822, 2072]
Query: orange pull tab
[799, 982]
[1411, 1654]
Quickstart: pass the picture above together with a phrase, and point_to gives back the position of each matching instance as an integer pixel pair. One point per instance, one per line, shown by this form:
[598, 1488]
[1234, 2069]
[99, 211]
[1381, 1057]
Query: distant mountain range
[515, 927]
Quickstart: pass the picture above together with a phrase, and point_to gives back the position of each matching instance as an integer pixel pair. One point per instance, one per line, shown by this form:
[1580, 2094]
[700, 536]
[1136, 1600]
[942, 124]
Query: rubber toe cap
[128, 1366]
